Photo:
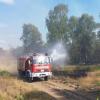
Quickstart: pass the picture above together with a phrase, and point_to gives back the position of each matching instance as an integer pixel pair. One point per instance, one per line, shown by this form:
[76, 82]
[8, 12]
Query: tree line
[80, 35]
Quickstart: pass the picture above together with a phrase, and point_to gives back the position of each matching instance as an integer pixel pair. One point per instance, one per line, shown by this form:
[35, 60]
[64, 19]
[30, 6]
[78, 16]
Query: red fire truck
[35, 65]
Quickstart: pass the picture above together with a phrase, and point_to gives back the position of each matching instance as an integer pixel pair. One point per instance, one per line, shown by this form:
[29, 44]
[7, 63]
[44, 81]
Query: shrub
[5, 73]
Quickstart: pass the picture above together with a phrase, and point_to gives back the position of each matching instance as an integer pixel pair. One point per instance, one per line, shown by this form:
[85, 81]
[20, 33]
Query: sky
[14, 13]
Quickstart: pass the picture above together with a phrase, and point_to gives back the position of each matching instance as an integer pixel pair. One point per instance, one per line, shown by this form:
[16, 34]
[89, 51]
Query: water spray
[59, 54]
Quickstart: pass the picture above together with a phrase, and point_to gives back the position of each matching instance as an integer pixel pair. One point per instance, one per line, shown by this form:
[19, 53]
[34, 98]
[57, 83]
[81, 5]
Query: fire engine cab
[35, 65]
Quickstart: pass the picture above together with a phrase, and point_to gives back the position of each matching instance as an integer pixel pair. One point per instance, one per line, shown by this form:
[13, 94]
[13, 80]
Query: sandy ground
[55, 88]
[64, 92]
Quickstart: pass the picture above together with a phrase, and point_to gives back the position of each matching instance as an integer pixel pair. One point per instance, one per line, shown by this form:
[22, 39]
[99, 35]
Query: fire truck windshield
[41, 60]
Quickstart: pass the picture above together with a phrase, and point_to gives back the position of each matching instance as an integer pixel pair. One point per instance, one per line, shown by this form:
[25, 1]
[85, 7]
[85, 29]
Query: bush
[5, 73]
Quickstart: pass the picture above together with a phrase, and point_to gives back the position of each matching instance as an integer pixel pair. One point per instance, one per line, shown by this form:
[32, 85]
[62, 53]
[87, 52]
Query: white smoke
[59, 54]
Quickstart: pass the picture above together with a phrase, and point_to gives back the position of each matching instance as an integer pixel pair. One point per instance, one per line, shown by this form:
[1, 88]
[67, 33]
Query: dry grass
[91, 80]
[12, 88]
[86, 82]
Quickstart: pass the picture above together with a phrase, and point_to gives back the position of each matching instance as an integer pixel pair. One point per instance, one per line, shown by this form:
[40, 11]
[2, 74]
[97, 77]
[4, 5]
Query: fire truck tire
[20, 73]
[46, 78]
[28, 78]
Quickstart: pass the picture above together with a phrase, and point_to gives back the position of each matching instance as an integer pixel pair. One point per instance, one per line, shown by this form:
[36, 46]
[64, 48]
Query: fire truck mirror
[29, 62]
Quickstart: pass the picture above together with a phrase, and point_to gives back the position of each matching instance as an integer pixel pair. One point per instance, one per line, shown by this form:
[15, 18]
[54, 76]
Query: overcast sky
[14, 13]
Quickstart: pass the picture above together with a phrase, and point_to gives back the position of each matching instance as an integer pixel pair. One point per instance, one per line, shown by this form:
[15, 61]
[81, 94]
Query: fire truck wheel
[46, 78]
[20, 73]
[30, 79]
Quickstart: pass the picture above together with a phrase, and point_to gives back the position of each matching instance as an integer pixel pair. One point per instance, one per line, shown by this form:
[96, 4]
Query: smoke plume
[8, 62]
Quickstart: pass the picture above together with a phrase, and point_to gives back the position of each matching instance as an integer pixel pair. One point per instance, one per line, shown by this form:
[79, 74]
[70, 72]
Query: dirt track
[54, 88]
[63, 92]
